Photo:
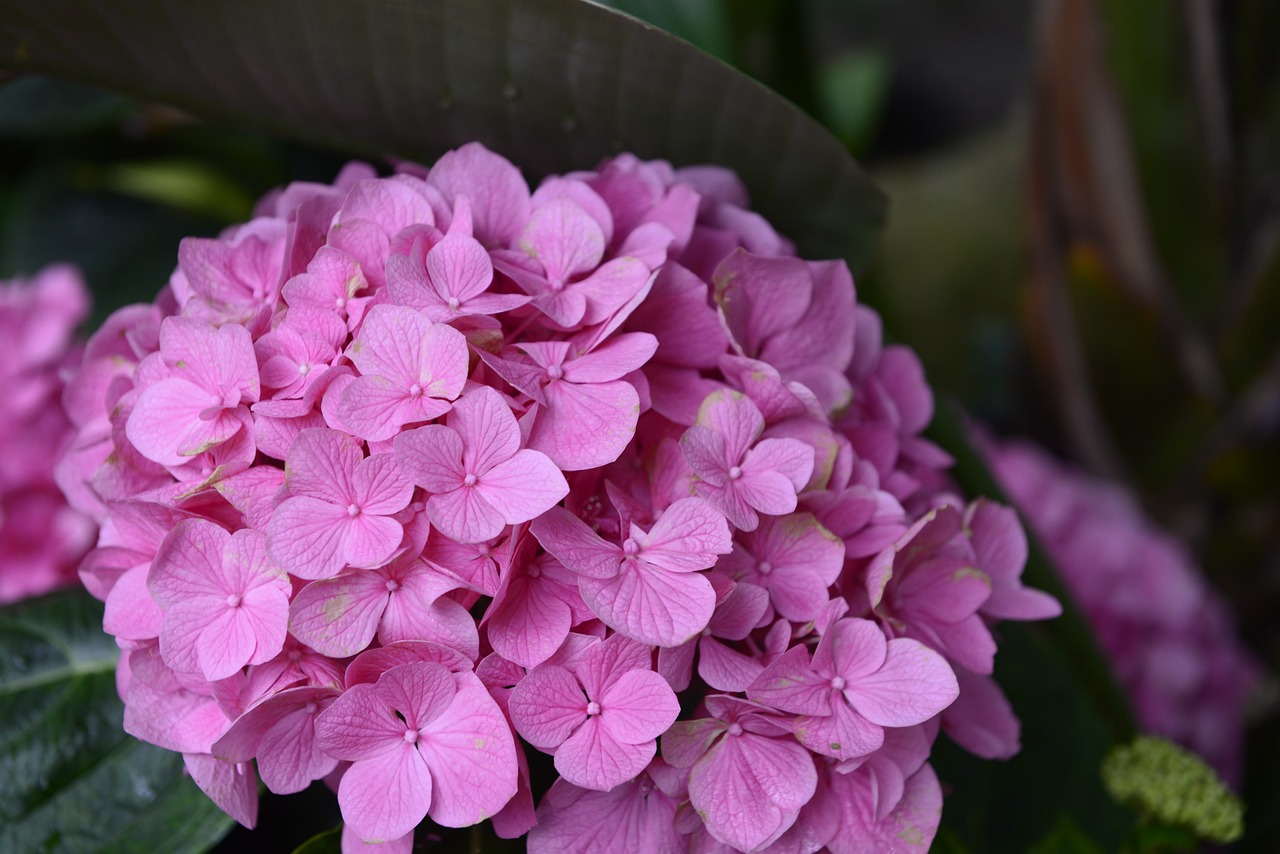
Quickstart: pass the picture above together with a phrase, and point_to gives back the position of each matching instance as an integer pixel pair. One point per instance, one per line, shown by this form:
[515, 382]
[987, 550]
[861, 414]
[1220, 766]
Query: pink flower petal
[487, 428]
[981, 719]
[725, 669]
[910, 827]
[585, 426]
[379, 487]
[498, 195]
[913, 685]
[734, 416]
[523, 487]
[564, 239]
[594, 759]
[167, 427]
[370, 541]
[576, 545]
[688, 536]
[431, 457]
[547, 706]
[359, 725]
[529, 624]
[376, 408]
[464, 515]
[650, 605]
[459, 267]
[188, 563]
[630, 817]
[472, 757]
[288, 760]
[339, 617]
[385, 797]
[843, 734]
[749, 788]
[612, 360]
[790, 684]
[638, 707]
[231, 786]
[851, 649]
[306, 537]
[321, 465]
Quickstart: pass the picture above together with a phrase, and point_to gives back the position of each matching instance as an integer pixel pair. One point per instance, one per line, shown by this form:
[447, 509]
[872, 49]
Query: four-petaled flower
[602, 721]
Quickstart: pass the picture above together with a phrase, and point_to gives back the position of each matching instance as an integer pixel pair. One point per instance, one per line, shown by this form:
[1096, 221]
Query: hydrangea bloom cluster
[1171, 638]
[41, 538]
[414, 483]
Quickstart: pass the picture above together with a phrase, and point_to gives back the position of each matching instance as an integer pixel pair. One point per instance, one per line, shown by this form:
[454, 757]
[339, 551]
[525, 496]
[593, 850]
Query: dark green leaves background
[70, 778]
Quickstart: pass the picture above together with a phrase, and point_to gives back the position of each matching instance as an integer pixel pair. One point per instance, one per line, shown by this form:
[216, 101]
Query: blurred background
[1083, 242]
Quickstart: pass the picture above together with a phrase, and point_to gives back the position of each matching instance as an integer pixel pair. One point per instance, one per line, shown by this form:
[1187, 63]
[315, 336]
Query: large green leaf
[71, 779]
[554, 84]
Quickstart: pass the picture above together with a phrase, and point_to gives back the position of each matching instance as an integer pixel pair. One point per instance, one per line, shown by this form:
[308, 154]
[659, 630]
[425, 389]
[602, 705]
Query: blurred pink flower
[41, 538]
[1171, 638]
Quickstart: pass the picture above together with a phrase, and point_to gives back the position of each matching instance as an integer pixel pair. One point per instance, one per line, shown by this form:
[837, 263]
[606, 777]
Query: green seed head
[1173, 786]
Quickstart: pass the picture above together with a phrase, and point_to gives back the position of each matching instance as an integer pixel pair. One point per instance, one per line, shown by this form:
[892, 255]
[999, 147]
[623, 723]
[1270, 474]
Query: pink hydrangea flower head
[413, 475]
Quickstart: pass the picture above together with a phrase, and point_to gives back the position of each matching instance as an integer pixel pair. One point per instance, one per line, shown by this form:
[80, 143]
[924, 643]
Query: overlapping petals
[427, 484]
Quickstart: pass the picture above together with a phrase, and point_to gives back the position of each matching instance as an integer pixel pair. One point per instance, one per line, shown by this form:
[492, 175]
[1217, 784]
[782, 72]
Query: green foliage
[702, 23]
[71, 779]
[329, 842]
[555, 84]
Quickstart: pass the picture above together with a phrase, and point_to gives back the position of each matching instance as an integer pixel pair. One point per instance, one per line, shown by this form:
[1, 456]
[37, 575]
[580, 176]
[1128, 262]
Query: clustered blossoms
[41, 538]
[1171, 638]
[411, 479]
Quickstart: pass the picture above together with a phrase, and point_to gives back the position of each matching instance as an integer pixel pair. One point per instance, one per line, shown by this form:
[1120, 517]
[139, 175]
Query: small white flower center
[411, 736]
[534, 571]
[353, 511]
[392, 585]
[631, 548]
[837, 682]
[234, 600]
[765, 567]
[483, 550]
[593, 708]
[735, 473]
[735, 728]
[304, 368]
[453, 303]
[469, 480]
[340, 302]
[555, 372]
[310, 708]
[415, 390]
